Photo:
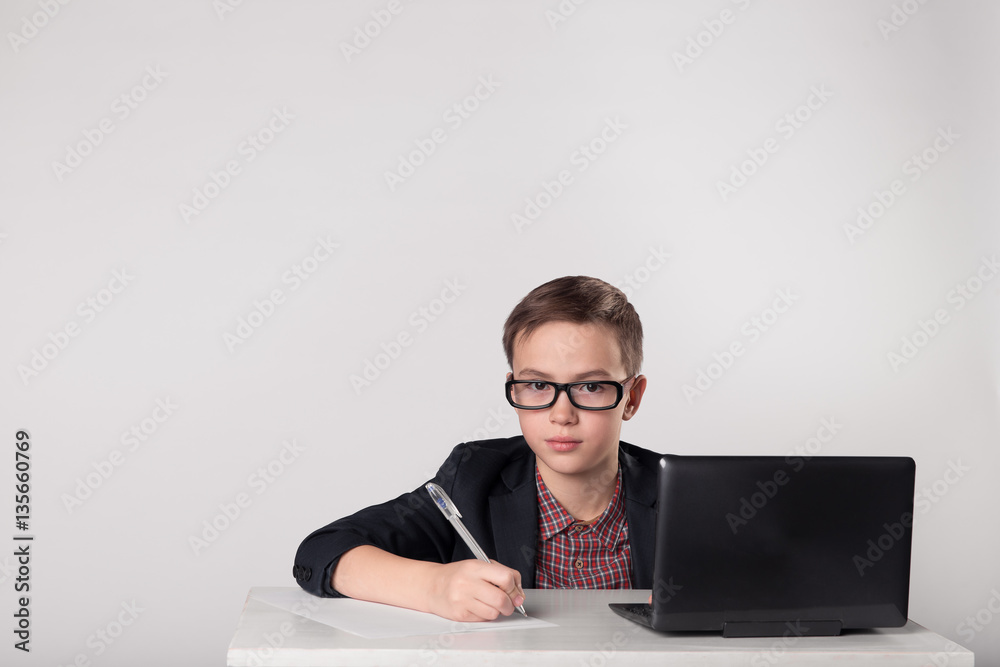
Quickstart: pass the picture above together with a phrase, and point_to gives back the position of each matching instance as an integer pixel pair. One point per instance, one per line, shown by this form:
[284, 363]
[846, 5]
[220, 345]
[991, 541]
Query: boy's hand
[472, 590]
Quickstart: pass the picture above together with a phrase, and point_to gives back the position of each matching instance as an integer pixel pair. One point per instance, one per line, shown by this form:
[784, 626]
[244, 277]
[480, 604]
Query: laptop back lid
[747, 545]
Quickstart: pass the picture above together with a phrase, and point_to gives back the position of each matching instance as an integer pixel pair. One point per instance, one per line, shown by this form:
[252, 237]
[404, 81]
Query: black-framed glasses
[588, 395]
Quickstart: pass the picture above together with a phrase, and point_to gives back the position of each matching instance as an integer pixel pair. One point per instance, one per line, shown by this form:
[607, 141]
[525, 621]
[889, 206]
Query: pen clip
[442, 500]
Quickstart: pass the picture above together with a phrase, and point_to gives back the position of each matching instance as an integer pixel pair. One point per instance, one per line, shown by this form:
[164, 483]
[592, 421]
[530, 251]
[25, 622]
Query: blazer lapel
[640, 512]
[514, 517]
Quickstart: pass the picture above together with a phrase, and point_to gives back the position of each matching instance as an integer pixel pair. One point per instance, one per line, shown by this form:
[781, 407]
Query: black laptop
[754, 546]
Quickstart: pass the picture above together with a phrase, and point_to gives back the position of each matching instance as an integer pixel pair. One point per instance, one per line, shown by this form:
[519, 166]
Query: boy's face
[567, 441]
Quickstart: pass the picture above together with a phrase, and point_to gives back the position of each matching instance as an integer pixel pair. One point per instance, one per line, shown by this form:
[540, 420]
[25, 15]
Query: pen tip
[523, 612]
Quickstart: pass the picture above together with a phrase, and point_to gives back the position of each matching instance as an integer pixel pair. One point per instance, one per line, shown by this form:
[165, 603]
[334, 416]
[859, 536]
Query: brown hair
[581, 300]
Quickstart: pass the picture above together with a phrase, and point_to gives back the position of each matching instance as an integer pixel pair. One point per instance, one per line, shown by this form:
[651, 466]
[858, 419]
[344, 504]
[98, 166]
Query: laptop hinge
[798, 628]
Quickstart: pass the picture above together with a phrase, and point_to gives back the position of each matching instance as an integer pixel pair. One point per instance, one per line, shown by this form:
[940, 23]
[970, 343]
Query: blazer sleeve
[410, 526]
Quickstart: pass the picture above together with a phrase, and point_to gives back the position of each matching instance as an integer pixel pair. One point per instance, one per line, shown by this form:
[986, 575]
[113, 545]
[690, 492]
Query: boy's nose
[562, 411]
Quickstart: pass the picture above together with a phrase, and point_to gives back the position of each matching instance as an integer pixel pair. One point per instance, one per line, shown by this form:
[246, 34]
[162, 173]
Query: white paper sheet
[374, 620]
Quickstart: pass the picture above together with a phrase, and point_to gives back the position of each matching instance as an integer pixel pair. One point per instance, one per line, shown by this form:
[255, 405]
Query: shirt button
[578, 529]
[579, 563]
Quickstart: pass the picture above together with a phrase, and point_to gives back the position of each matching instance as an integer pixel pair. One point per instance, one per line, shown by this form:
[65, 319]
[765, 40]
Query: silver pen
[451, 513]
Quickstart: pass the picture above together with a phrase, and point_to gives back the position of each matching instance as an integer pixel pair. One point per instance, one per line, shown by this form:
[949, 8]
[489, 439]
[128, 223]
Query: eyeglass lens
[590, 394]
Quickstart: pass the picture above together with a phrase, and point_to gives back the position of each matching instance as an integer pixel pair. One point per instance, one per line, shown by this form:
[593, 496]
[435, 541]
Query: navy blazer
[493, 485]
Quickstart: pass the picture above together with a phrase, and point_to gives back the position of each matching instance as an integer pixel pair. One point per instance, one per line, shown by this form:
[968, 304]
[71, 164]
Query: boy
[565, 505]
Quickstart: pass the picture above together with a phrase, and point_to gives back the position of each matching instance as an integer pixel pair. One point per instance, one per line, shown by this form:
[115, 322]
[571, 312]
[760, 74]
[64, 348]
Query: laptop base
[642, 614]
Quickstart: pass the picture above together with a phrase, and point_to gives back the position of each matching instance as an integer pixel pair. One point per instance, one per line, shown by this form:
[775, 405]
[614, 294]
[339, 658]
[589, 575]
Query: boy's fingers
[518, 594]
[483, 611]
[507, 580]
[493, 597]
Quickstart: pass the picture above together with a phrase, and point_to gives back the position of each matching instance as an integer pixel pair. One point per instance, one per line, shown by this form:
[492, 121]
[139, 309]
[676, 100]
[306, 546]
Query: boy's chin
[570, 464]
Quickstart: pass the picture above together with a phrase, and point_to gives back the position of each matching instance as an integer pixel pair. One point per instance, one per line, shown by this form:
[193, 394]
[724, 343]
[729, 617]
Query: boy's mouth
[562, 443]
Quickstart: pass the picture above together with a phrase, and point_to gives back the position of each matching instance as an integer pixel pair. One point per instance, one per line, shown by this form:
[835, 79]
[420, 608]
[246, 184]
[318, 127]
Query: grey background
[653, 191]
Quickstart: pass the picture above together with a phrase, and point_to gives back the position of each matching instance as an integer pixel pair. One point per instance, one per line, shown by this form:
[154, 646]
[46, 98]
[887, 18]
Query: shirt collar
[553, 517]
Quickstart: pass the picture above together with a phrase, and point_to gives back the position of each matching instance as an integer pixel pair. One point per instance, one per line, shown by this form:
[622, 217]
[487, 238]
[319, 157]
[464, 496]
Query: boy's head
[580, 300]
[579, 330]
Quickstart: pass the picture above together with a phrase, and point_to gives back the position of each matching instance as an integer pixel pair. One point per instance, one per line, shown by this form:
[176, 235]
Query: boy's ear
[634, 397]
[510, 375]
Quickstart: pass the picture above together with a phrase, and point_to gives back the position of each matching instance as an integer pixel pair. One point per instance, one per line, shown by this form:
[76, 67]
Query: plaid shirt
[574, 555]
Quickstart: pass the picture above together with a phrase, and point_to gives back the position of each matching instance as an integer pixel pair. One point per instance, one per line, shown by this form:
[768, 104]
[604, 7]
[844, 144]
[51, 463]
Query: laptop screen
[746, 544]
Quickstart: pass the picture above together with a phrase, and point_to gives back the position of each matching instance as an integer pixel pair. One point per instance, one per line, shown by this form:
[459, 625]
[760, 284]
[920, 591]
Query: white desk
[589, 635]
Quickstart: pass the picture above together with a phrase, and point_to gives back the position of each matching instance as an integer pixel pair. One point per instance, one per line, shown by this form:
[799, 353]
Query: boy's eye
[538, 386]
[592, 387]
